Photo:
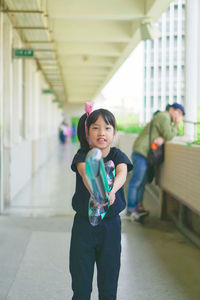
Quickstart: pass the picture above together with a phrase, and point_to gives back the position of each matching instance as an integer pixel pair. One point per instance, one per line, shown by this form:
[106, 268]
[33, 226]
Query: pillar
[8, 80]
[1, 113]
[192, 61]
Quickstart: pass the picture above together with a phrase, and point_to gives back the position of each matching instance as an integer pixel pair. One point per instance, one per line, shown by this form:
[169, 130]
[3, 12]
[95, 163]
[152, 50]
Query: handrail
[191, 122]
[196, 126]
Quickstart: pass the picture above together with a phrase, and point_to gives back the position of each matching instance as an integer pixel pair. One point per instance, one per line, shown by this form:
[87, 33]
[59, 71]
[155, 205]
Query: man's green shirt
[162, 126]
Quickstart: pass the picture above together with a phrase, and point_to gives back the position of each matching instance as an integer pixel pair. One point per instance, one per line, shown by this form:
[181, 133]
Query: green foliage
[181, 129]
[129, 128]
[198, 126]
[197, 142]
[128, 123]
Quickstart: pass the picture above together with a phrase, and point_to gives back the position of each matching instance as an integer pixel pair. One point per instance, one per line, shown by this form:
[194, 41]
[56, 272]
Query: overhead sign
[23, 53]
[47, 91]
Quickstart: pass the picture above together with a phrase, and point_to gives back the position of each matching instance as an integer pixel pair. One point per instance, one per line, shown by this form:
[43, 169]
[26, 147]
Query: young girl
[102, 243]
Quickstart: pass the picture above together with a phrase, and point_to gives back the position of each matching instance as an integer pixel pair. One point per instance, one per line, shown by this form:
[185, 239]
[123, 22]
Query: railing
[196, 128]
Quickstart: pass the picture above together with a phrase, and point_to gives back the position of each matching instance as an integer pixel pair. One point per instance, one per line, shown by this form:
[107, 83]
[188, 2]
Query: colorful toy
[100, 178]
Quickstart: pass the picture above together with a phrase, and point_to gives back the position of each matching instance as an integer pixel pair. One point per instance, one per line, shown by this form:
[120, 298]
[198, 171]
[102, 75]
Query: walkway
[157, 261]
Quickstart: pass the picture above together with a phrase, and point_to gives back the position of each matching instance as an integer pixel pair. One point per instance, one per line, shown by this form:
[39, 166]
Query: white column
[28, 98]
[1, 114]
[7, 65]
[192, 60]
[163, 74]
[35, 105]
[148, 84]
[17, 93]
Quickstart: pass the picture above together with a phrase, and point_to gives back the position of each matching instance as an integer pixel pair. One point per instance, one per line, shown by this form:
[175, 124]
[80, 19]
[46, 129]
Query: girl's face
[101, 134]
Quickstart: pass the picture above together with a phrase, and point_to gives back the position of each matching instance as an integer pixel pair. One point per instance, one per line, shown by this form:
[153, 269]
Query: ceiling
[80, 44]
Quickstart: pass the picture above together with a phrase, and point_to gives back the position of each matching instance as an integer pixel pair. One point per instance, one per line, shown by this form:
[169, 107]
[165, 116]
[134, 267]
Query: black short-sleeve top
[81, 196]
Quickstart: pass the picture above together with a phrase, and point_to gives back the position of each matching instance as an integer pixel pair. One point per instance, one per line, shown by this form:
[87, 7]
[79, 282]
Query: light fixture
[149, 31]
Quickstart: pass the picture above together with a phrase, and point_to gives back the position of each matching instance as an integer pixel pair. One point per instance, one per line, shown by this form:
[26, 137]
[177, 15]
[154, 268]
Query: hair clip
[88, 107]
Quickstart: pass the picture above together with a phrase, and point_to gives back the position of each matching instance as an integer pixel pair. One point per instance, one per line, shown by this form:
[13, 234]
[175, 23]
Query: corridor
[157, 261]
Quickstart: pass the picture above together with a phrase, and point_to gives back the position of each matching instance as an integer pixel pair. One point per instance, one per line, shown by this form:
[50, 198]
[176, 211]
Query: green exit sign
[47, 91]
[23, 53]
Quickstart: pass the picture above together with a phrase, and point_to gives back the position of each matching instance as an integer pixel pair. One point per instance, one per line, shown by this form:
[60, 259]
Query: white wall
[20, 166]
[1, 112]
[74, 110]
[31, 120]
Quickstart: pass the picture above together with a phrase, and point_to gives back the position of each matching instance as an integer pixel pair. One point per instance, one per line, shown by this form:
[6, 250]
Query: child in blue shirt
[100, 244]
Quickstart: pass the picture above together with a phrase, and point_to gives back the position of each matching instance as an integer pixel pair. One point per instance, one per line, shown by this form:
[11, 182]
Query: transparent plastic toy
[100, 178]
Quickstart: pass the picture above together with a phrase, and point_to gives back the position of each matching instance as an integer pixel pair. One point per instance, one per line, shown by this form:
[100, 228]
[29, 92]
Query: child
[102, 243]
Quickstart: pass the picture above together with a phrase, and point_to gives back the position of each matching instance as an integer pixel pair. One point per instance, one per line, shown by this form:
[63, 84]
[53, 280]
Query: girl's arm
[120, 178]
[81, 169]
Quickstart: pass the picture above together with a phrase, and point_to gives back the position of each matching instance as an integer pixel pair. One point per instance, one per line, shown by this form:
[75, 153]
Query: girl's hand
[111, 195]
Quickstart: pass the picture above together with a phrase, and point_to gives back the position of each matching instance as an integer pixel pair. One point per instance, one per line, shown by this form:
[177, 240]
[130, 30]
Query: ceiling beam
[31, 28]
[40, 42]
[91, 49]
[44, 50]
[87, 61]
[76, 31]
[14, 11]
[95, 9]
[154, 8]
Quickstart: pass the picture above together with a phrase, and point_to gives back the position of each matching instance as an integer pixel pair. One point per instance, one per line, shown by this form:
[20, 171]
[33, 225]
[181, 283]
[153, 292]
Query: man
[165, 126]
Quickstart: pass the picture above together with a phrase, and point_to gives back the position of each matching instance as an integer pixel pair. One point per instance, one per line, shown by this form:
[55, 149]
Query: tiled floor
[157, 261]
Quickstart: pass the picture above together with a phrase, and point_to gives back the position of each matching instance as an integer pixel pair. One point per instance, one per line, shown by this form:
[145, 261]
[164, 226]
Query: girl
[102, 243]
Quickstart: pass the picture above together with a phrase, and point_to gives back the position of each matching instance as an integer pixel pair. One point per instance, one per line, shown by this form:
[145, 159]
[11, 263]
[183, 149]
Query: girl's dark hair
[107, 116]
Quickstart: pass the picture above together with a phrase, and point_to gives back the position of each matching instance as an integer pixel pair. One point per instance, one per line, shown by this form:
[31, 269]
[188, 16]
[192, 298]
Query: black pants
[100, 244]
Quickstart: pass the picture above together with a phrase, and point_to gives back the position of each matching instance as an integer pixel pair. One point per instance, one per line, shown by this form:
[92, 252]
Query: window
[175, 26]
[145, 72]
[175, 41]
[159, 72]
[159, 86]
[168, 13]
[167, 71]
[182, 72]
[160, 42]
[167, 42]
[160, 25]
[168, 27]
[183, 25]
[175, 72]
[167, 87]
[175, 56]
[176, 11]
[183, 42]
[145, 101]
[160, 56]
[152, 56]
[175, 86]
[152, 86]
[152, 72]
[152, 101]
[159, 102]
[183, 11]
